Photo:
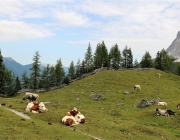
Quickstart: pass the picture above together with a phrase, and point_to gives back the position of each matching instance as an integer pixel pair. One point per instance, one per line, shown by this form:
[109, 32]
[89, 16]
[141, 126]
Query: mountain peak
[178, 34]
[174, 48]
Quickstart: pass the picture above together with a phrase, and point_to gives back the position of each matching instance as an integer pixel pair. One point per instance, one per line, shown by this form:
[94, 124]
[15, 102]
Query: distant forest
[52, 76]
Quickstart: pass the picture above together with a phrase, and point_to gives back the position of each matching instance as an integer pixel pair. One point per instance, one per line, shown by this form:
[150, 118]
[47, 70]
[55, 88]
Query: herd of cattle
[74, 117]
[160, 112]
[71, 118]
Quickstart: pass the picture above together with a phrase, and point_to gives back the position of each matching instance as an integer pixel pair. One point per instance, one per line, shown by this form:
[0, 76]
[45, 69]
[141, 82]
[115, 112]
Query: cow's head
[42, 107]
[74, 111]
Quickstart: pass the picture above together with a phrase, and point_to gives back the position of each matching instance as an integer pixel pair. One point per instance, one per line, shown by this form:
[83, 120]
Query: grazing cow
[137, 87]
[178, 106]
[160, 112]
[80, 118]
[158, 75]
[30, 97]
[69, 118]
[36, 107]
[162, 103]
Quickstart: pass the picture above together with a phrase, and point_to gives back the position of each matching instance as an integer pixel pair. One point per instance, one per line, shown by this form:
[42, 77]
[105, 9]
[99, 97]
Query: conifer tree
[78, 68]
[101, 57]
[127, 58]
[71, 72]
[45, 78]
[146, 61]
[52, 77]
[115, 57]
[89, 59]
[17, 85]
[2, 76]
[59, 72]
[25, 80]
[35, 71]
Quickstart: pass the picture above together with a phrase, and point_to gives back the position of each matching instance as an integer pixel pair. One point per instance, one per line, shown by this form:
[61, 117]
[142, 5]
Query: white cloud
[14, 30]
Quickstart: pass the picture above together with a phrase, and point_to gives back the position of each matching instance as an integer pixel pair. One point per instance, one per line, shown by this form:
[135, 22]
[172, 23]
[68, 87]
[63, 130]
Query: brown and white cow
[30, 97]
[178, 106]
[137, 87]
[69, 118]
[35, 107]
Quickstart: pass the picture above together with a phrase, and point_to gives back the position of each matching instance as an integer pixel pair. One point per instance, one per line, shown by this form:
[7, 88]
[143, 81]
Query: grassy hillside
[105, 119]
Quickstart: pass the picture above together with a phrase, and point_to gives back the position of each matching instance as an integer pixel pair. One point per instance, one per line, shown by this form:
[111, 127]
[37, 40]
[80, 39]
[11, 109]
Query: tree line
[52, 76]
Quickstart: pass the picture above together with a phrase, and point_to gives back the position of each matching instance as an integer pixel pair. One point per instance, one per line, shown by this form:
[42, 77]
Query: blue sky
[62, 29]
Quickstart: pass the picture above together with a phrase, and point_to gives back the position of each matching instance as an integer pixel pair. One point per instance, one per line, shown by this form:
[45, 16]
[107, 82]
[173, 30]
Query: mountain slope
[19, 69]
[174, 48]
[106, 119]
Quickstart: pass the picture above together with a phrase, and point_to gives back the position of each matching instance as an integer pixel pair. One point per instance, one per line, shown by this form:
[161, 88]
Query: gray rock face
[174, 48]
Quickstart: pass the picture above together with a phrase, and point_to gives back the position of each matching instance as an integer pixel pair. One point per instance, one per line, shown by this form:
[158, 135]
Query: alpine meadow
[114, 115]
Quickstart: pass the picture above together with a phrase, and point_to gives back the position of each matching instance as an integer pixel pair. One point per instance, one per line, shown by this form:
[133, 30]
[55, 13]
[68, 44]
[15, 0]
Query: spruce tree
[146, 61]
[115, 57]
[2, 76]
[25, 80]
[59, 72]
[52, 76]
[71, 72]
[89, 59]
[78, 68]
[17, 85]
[35, 71]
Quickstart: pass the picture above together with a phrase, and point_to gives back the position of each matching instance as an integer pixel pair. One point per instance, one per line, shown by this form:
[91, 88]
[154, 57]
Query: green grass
[105, 119]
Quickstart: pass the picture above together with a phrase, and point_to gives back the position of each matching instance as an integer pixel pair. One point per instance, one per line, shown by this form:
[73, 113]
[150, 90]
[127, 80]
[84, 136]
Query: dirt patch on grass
[19, 113]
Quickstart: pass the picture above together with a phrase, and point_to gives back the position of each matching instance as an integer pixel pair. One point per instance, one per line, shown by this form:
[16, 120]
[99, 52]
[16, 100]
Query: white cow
[30, 97]
[162, 103]
[137, 86]
[36, 107]
[160, 112]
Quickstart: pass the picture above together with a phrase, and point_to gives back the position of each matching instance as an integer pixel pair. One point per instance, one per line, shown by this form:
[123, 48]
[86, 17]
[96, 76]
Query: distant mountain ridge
[19, 69]
[174, 48]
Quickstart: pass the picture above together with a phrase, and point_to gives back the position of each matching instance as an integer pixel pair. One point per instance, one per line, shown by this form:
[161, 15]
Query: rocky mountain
[19, 69]
[174, 48]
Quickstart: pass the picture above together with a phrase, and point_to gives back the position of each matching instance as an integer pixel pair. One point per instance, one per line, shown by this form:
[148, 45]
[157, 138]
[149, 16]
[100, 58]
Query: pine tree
[101, 57]
[45, 78]
[9, 83]
[52, 76]
[115, 57]
[127, 58]
[2, 76]
[17, 85]
[136, 64]
[89, 59]
[71, 72]
[157, 61]
[59, 73]
[78, 68]
[35, 71]
[146, 61]
[25, 80]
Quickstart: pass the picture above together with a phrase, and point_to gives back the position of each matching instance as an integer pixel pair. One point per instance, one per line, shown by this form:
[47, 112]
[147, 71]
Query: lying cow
[160, 112]
[137, 87]
[30, 97]
[69, 118]
[35, 107]
[162, 103]
[158, 75]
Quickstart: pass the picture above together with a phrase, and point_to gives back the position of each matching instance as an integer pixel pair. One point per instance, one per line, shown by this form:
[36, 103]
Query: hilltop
[106, 118]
